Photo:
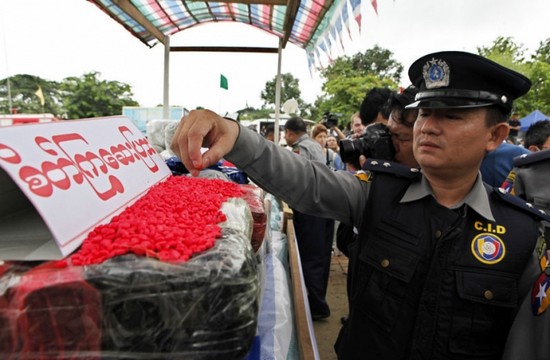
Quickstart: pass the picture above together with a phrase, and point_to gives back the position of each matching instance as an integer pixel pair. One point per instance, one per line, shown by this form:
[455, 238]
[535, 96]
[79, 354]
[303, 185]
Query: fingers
[362, 160]
[203, 128]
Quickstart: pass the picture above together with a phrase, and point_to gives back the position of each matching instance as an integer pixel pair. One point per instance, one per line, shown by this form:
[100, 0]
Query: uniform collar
[477, 198]
[300, 139]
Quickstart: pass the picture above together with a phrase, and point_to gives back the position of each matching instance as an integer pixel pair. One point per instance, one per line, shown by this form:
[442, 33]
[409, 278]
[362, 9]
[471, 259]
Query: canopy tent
[310, 24]
[531, 118]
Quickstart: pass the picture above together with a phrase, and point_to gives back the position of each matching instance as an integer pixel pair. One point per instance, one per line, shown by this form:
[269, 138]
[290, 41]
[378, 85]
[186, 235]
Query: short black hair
[373, 103]
[399, 100]
[537, 134]
[269, 129]
[296, 125]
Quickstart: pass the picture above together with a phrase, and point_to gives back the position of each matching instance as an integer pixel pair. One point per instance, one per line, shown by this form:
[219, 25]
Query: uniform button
[488, 295]
[385, 263]
[437, 234]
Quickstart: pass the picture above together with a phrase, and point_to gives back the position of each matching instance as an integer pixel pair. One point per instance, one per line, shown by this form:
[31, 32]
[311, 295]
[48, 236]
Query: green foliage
[506, 47]
[88, 96]
[543, 52]
[507, 53]
[376, 61]
[253, 114]
[348, 80]
[290, 89]
[539, 95]
[22, 91]
[73, 98]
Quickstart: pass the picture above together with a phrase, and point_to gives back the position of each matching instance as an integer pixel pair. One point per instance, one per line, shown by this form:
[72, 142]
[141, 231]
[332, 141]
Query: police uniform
[427, 282]
[532, 181]
[314, 236]
[530, 333]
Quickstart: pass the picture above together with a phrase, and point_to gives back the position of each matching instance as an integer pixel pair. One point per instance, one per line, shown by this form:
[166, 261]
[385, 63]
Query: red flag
[375, 6]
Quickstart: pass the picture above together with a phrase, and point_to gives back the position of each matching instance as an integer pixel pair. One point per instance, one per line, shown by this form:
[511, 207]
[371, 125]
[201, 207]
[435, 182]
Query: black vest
[428, 282]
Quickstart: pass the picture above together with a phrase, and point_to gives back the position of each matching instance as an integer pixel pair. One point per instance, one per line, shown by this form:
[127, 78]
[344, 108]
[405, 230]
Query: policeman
[532, 179]
[314, 235]
[439, 257]
[528, 338]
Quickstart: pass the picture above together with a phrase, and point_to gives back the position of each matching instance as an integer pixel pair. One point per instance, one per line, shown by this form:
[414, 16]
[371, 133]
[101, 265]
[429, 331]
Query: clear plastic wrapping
[132, 307]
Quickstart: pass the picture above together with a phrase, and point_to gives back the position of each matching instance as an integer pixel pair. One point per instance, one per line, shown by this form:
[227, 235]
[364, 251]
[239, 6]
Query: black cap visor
[454, 99]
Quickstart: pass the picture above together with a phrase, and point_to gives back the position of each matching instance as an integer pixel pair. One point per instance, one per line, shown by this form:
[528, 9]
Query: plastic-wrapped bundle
[254, 196]
[53, 314]
[205, 308]
[135, 307]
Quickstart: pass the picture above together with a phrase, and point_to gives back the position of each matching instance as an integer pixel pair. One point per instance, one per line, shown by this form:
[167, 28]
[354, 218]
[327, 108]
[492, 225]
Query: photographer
[331, 123]
[357, 129]
[373, 107]
[400, 125]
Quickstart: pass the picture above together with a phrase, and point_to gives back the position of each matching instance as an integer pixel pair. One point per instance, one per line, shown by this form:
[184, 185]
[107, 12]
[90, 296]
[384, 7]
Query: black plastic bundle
[205, 308]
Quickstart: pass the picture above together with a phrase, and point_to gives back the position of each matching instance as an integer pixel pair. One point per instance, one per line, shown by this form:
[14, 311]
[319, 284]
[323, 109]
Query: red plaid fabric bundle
[254, 196]
[58, 314]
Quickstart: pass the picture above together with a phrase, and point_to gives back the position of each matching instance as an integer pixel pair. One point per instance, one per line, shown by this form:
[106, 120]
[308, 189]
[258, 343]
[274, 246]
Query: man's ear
[498, 134]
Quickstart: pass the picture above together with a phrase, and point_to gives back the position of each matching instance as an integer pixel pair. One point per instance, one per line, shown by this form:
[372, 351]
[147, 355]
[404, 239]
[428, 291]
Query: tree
[543, 52]
[22, 95]
[348, 80]
[507, 53]
[506, 48]
[88, 96]
[376, 61]
[290, 89]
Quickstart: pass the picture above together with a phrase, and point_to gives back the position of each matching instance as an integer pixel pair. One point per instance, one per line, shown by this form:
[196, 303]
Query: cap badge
[436, 74]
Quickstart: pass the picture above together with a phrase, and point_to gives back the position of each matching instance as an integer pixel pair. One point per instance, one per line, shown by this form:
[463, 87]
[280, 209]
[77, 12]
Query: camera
[331, 120]
[374, 143]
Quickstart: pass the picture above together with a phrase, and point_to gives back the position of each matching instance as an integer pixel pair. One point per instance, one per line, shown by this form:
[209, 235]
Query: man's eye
[453, 116]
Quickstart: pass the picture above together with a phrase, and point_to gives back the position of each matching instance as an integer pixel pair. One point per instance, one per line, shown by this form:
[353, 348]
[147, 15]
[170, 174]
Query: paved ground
[327, 330]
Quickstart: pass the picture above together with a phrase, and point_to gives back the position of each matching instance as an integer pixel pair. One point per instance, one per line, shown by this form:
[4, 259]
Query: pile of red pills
[172, 221]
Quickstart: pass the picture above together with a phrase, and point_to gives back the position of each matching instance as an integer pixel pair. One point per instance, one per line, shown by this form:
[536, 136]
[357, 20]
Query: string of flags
[339, 19]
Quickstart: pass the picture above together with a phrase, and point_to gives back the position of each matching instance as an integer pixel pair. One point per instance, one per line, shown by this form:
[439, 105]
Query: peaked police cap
[456, 79]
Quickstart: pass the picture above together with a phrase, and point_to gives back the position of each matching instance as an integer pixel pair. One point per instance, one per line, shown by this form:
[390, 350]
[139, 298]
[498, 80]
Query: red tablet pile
[174, 220]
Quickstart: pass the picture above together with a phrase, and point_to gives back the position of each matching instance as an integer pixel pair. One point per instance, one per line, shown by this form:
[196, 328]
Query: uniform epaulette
[522, 204]
[391, 168]
[528, 159]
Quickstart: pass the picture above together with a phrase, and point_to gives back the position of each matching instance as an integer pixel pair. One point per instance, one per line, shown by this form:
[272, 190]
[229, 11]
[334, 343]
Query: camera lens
[350, 150]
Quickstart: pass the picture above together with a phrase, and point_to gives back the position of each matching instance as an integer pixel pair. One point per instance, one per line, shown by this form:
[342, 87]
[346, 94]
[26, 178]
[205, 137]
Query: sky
[55, 39]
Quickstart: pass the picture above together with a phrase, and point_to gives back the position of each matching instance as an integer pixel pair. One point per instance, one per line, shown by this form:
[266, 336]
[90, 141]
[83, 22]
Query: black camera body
[331, 120]
[375, 143]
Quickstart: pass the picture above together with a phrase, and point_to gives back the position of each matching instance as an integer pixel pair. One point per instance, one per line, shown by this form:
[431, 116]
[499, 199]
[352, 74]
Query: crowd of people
[445, 233]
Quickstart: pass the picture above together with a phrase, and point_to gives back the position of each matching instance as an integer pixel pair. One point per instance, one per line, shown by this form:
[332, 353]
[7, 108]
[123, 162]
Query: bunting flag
[40, 95]
[310, 62]
[333, 32]
[223, 82]
[328, 45]
[318, 55]
[338, 26]
[375, 6]
[323, 47]
[345, 18]
[356, 10]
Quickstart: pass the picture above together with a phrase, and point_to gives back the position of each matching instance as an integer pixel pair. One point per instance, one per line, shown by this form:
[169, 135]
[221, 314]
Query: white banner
[59, 180]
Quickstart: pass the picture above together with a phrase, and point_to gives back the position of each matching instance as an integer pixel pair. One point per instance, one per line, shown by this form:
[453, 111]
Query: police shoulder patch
[365, 176]
[391, 167]
[540, 295]
[520, 203]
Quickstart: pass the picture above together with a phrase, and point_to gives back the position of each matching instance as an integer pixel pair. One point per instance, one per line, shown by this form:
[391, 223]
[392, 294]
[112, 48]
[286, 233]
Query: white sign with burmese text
[59, 180]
